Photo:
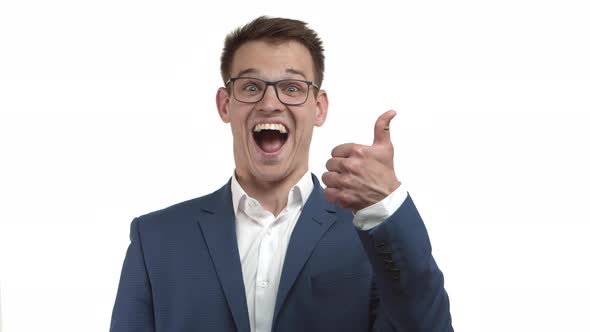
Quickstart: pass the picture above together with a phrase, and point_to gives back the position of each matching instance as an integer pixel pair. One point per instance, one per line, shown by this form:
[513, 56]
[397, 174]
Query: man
[271, 250]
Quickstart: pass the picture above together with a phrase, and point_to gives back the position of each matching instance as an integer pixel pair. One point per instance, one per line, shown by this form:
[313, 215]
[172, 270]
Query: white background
[107, 112]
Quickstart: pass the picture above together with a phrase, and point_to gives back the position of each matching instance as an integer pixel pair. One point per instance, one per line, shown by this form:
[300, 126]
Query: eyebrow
[296, 72]
[247, 71]
[256, 71]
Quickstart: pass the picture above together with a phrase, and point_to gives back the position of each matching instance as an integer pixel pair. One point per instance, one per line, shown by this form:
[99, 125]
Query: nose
[270, 101]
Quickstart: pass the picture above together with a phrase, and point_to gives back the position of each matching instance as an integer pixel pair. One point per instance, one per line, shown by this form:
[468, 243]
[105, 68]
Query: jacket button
[387, 258]
[382, 247]
[391, 267]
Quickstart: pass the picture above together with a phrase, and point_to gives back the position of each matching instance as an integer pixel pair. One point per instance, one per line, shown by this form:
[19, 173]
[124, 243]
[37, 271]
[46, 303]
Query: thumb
[382, 128]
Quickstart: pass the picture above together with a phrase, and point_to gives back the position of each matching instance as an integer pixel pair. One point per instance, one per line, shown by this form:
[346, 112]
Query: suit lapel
[217, 222]
[315, 219]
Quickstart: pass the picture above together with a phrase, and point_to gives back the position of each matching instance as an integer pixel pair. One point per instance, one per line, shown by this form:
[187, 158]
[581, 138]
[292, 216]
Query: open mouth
[270, 137]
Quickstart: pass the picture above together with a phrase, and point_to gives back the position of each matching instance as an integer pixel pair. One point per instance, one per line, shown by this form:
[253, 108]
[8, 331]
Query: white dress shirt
[263, 240]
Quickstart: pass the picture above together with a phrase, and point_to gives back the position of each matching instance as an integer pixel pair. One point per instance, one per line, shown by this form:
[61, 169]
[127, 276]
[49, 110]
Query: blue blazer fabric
[182, 272]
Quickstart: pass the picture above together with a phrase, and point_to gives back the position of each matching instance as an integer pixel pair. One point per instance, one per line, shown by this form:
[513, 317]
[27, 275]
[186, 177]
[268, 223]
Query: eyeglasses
[251, 90]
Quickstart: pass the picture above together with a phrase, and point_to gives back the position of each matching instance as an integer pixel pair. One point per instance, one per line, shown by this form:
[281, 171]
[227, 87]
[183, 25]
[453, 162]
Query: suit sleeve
[409, 284]
[133, 310]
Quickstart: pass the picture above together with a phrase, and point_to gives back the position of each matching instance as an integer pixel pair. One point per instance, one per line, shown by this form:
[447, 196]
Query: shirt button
[263, 284]
[268, 232]
[252, 204]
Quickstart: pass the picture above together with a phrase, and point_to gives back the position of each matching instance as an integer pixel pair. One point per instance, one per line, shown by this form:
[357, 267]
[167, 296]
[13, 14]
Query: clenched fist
[358, 175]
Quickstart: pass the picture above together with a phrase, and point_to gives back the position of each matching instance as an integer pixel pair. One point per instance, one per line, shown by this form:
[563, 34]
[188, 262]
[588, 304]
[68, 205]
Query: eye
[250, 87]
[292, 87]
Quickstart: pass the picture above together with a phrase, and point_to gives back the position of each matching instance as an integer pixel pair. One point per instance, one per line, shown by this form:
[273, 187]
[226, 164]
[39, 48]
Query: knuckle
[333, 196]
[343, 201]
[344, 165]
[348, 165]
[354, 165]
[389, 148]
[330, 164]
[345, 181]
[358, 150]
[329, 179]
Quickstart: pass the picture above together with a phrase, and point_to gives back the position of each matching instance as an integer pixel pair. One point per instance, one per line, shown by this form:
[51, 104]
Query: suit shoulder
[175, 213]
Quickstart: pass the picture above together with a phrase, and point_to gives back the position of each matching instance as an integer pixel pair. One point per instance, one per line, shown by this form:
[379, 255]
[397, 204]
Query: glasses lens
[292, 91]
[248, 90]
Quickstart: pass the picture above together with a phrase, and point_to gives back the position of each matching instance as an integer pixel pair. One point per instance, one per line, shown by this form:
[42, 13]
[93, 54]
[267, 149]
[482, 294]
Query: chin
[272, 173]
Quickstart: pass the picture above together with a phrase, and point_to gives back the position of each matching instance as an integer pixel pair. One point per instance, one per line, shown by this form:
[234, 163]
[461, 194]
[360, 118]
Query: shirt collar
[302, 190]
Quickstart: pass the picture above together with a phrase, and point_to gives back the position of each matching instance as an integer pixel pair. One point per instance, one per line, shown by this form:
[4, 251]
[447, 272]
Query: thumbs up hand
[358, 175]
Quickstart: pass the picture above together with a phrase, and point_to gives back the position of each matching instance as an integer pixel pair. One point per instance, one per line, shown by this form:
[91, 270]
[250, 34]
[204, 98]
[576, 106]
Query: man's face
[270, 154]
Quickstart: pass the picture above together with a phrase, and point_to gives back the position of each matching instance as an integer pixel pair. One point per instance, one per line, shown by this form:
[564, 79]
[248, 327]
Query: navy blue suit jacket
[182, 272]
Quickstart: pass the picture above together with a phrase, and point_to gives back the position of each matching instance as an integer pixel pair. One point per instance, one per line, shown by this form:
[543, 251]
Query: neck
[272, 195]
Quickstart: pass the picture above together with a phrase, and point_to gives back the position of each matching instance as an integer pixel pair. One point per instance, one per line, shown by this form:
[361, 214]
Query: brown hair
[274, 30]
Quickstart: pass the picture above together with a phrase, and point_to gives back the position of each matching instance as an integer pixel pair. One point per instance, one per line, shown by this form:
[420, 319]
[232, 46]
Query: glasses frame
[273, 84]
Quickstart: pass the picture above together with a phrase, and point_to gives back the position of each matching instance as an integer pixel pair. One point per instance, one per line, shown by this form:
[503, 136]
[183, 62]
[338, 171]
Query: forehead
[273, 60]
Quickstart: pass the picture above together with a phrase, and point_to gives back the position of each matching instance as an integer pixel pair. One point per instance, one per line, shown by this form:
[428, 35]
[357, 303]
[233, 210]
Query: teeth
[270, 126]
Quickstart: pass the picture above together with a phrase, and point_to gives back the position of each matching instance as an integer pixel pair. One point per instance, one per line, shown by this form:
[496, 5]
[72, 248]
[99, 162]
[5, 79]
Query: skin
[269, 180]
[357, 175]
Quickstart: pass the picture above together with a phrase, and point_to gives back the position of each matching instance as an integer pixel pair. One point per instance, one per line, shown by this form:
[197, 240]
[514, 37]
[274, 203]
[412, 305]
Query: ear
[321, 106]
[222, 100]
